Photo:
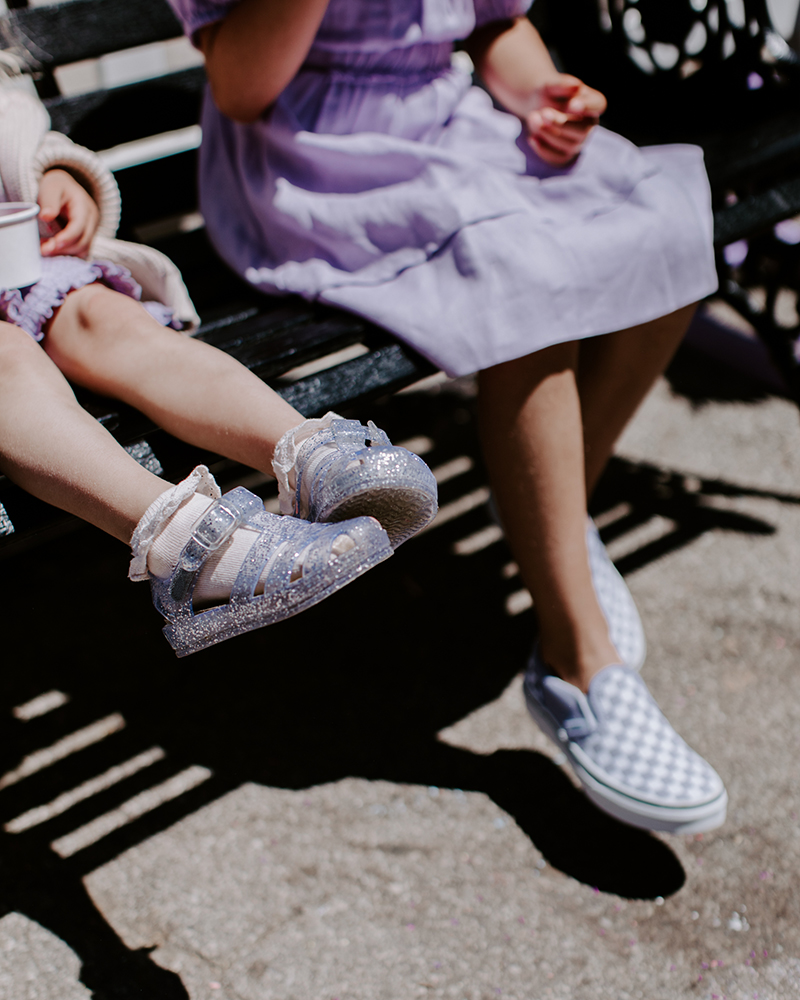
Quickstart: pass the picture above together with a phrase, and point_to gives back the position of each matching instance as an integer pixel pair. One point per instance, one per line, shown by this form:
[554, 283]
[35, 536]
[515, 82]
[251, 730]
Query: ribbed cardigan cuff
[57, 151]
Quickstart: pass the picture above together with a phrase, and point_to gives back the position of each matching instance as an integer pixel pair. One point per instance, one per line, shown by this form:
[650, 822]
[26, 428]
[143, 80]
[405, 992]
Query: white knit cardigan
[28, 149]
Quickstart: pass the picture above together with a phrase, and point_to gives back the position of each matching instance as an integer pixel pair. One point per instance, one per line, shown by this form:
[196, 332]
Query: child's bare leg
[615, 373]
[55, 450]
[107, 342]
[533, 442]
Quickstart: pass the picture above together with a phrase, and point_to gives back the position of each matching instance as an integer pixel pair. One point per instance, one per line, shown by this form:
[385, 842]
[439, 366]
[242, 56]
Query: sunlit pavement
[354, 804]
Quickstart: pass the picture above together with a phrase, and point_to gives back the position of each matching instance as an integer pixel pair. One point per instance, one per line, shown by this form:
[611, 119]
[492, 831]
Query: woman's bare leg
[532, 434]
[615, 373]
[549, 422]
[107, 342]
[55, 450]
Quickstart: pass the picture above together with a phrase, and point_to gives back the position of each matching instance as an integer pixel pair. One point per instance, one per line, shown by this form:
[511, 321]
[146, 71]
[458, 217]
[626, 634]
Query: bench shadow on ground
[358, 686]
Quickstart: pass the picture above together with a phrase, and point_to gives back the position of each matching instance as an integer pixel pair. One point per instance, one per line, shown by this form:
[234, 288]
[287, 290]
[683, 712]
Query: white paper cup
[20, 259]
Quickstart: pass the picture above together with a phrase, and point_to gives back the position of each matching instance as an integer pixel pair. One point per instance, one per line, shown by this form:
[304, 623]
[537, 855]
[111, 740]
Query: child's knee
[17, 349]
[89, 307]
[96, 313]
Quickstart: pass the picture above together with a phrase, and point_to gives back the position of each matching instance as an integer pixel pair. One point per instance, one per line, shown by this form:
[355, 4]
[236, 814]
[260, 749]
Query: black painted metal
[63, 33]
[105, 118]
[713, 72]
[757, 213]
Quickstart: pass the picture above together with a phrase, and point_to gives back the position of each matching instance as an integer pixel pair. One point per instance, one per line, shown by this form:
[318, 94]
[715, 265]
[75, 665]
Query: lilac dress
[383, 182]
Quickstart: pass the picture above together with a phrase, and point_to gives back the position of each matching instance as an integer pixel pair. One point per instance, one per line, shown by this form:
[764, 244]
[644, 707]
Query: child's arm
[255, 52]
[29, 153]
[557, 110]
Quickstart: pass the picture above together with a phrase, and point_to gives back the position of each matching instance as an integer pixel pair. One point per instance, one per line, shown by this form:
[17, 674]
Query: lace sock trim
[286, 452]
[160, 511]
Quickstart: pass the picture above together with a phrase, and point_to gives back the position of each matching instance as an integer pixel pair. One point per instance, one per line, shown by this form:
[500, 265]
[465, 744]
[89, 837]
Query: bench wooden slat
[269, 345]
[757, 213]
[382, 371]
[64, 33]
[150, 106]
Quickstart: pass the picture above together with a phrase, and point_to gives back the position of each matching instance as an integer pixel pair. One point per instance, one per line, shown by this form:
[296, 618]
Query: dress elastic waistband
[414, 61]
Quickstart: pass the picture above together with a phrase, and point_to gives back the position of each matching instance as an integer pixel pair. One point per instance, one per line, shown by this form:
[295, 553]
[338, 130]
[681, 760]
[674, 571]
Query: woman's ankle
[577, 663]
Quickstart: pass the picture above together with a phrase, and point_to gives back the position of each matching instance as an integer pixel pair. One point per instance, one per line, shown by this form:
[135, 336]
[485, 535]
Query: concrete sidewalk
[374, 816]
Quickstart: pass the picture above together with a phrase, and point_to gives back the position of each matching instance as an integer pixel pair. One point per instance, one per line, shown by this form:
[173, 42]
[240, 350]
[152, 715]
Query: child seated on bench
[250, 567]
[347, 157]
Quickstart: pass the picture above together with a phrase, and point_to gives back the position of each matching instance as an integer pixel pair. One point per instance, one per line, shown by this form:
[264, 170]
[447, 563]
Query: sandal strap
[258, 555]
[287, 450]
[355, 434]
[343, 437]
[209, 533]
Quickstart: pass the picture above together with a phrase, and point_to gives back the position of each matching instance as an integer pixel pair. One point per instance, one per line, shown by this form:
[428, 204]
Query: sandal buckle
[212, 530]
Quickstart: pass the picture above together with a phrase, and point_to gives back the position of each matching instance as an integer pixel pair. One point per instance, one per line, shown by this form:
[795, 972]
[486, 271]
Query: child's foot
[196, 549]
[630, 761]
[332, 469]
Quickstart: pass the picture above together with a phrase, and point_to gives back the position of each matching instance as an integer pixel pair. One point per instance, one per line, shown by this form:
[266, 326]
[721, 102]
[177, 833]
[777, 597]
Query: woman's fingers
[567, 112]
[547, 153]
[551, 150]
[574, 97]
[558, 136]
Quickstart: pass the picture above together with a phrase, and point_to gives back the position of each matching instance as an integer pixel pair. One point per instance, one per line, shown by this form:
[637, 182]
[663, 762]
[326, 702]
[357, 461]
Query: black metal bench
[715, 73]
[272, 337]
[730, 80]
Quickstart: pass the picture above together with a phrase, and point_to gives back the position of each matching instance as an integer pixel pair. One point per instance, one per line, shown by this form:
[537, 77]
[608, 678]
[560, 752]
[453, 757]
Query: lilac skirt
[30, 308]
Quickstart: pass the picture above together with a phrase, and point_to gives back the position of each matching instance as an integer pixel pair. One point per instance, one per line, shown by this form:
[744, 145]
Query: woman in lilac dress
[347, 158]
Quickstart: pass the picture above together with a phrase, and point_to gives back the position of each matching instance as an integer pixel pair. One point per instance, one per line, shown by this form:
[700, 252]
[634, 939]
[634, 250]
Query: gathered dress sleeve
[196, 14]
[499, 10]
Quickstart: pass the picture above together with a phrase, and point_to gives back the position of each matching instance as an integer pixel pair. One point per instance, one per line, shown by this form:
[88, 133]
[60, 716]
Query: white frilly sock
[285, 457]
[165, 528]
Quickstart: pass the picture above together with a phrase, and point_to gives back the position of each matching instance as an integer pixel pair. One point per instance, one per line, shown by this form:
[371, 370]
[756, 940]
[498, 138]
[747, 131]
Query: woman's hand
[564, 113]
[62, 198]
[557, 111]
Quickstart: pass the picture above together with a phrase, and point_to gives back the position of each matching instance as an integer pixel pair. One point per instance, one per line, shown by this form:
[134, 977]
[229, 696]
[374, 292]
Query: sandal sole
[391, 506]
[207, 628]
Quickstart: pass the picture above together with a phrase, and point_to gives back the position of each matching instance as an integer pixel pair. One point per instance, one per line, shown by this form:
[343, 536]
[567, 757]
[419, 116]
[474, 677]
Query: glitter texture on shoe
[304, 564]
[349, 470]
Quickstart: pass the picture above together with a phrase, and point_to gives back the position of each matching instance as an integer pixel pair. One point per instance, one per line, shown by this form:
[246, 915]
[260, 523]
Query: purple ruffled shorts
[30, 308]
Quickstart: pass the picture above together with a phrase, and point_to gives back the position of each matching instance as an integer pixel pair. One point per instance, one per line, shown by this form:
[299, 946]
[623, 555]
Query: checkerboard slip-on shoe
[630, 761]
[624, 624]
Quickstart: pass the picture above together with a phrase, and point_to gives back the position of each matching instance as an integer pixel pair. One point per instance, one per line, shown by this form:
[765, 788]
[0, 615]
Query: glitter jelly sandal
[304, 563]
[345, 469]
